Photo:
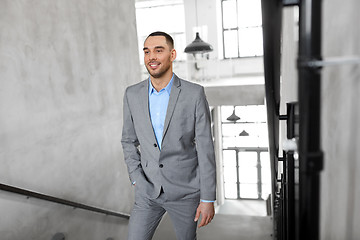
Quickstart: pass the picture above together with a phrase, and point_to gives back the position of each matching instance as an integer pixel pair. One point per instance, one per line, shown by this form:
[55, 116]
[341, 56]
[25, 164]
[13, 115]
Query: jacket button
[161, 166]
[155, 145]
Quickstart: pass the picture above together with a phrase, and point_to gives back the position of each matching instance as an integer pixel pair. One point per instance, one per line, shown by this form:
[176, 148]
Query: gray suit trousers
[147, 213]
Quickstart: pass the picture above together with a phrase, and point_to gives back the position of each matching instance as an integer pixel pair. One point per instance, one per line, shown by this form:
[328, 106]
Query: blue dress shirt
[158, 102]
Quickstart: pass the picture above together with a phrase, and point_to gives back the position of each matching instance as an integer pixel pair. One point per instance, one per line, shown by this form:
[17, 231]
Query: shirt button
[155, 145]
[161, 166]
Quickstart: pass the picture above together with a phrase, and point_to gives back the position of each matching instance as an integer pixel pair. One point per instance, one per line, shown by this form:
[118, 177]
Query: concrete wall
[64, 67]
[340, 187]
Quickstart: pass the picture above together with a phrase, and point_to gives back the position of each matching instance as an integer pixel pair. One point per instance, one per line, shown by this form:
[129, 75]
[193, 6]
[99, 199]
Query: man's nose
[152, 56]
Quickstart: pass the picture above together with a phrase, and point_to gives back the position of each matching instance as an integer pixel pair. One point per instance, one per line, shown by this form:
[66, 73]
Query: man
[168, 147]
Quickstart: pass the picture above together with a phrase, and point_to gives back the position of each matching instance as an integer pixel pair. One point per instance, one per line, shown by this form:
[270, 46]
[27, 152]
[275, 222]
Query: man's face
[158, 56]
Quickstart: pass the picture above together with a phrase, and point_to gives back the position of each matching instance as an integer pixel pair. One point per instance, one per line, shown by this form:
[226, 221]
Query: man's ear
[173, 55]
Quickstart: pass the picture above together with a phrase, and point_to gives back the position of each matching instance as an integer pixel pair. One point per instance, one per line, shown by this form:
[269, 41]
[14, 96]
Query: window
[163, 16]
[246, 161]
[242, 28]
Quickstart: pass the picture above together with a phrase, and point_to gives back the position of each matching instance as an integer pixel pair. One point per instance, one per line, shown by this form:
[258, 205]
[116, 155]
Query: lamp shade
[233, 117]
[244, 134]
[198, 46]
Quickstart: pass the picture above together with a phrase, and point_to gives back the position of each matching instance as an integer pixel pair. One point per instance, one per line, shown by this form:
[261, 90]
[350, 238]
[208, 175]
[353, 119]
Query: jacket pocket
[191, 162]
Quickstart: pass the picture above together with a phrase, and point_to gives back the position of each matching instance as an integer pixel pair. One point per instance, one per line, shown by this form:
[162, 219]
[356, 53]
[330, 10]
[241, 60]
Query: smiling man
[168, 147]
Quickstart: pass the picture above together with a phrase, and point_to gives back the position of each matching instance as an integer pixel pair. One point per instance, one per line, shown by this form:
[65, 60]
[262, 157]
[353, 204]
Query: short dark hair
[169, 39]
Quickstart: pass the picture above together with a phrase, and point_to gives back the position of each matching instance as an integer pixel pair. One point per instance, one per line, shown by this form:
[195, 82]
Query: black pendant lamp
[233, 117]
[244, 133]
[198, 46]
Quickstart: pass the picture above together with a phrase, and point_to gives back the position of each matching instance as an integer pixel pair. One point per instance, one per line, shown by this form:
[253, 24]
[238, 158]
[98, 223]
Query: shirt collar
[167, 88]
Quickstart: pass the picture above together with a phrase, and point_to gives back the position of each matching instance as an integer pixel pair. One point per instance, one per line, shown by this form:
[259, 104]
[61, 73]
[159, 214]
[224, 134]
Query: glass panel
[248, 191]
[247, 159]
[247, 175]
[265, 168]
[249, 13]
[248, 167]
[265, 175]
[250, 42]
[230, 174]
[231, 44]
[266, 190]
[230, 190]
[229, 142]
[229, 158]
[229, 14]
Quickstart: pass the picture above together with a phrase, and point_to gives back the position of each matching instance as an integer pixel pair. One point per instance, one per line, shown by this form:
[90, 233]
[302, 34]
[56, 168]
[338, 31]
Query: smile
[154, 65]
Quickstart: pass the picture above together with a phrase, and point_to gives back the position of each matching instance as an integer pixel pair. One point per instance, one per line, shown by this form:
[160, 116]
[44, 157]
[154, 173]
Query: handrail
[307, 208]
[292, 125]
[49, 198]
[272, 19]
[289, 183]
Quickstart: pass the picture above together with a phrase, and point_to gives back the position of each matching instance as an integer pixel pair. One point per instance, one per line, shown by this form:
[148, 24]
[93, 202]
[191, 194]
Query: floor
[234, 220]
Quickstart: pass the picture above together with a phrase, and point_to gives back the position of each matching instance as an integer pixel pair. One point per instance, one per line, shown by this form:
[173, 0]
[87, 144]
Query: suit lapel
[174, 94]
[144, 95]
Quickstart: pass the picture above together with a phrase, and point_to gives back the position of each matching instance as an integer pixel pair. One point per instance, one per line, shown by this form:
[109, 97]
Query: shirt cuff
[202, 200]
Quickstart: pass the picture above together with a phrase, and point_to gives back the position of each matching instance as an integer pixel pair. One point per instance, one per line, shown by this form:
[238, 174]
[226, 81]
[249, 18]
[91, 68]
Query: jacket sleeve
[130, 143]
[205, 149]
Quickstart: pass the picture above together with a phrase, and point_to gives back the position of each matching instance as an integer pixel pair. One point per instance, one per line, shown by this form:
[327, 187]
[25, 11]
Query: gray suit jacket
[185, 166]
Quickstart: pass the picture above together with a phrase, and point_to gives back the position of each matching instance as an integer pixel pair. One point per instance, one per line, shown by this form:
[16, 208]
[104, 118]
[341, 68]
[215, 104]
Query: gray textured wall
[64, 67]
[340, 187]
